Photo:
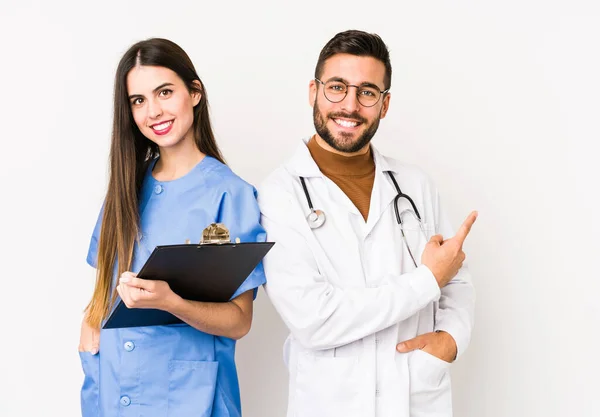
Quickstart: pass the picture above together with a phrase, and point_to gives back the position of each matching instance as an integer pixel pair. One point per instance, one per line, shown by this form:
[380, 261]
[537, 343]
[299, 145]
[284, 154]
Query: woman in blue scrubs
[167, 183]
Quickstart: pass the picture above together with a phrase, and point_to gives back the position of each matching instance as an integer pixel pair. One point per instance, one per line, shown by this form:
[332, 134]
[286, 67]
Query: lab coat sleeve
[239, 212]
[457, 301]
[319, 315]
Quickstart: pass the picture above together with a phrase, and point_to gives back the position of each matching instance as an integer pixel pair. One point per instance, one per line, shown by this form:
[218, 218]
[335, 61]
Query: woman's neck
[176, 161]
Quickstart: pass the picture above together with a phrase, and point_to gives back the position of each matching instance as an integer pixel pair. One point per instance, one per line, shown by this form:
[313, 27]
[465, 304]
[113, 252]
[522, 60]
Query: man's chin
[346, 145]
[345, 137]
[343, 141]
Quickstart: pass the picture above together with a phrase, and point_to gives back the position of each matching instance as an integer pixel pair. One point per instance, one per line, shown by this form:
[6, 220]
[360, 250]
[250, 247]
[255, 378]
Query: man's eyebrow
[363, 84]
[337, 79]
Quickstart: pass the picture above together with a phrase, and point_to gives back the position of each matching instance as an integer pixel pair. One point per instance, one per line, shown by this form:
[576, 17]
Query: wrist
[173, 304]
[449, 341]
[436, 274]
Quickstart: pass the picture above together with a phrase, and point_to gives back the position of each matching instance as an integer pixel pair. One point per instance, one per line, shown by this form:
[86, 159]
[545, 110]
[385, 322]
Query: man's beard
[343, 146]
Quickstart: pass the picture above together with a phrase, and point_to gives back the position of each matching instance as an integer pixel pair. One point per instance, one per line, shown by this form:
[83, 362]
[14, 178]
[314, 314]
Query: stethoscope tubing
[316, 218]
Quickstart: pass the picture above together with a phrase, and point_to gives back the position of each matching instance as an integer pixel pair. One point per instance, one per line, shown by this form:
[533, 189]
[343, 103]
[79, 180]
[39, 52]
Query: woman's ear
[196, 94]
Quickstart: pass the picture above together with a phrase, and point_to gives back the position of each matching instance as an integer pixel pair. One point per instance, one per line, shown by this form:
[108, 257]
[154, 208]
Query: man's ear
[312, 92]
[386, 105]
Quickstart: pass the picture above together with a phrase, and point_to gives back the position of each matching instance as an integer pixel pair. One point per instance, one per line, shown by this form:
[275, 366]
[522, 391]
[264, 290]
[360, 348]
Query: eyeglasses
[335, 91]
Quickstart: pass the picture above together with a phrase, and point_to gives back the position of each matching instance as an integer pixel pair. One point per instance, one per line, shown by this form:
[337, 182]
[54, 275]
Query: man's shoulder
[277, 182]
[281, 179]
[405, 169]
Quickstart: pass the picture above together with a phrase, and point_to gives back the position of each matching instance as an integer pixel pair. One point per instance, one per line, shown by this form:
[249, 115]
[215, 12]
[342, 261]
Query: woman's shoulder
[224, 178]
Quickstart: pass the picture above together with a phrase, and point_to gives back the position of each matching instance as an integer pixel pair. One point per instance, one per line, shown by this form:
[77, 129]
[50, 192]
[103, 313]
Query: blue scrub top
[174, 370]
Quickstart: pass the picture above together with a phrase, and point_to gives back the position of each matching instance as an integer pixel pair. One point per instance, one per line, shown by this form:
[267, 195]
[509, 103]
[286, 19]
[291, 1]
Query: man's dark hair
[359, 43]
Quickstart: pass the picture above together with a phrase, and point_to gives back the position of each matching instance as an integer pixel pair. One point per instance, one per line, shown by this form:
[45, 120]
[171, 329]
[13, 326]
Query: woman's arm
[239, 211]
[89, 338]
[231, 319]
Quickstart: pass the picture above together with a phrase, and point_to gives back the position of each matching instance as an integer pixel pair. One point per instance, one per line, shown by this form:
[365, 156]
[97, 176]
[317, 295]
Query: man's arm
[457, 302]
[321, 316]
[454, 317]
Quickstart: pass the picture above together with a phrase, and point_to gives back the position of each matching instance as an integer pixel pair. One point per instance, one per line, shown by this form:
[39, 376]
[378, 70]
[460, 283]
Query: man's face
[348, 126]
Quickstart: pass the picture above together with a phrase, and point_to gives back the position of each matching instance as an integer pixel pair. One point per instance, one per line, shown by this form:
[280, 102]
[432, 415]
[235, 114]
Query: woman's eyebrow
[163, 85]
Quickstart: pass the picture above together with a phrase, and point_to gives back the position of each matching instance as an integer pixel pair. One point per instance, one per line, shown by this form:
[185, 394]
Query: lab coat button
[129, 346]
[125, 401]
[158, 189]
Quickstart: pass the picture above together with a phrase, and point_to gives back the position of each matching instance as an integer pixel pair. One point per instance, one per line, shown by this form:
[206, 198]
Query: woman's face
[162, 106]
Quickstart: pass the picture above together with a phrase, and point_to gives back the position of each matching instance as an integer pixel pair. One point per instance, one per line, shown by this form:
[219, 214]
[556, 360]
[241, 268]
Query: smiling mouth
[346, 123]
[162, 126]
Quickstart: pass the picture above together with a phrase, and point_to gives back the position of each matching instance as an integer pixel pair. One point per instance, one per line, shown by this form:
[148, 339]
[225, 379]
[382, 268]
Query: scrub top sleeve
[240, 213]
[92, 255]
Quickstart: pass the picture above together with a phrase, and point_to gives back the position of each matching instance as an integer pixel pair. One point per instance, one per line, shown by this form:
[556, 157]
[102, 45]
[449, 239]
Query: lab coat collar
[303, 165]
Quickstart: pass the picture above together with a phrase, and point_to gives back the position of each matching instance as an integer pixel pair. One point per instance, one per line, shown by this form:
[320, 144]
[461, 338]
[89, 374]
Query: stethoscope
[316, 217]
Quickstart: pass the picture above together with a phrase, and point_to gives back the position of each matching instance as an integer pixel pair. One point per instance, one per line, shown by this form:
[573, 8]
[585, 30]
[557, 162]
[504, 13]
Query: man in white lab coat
[366, 271]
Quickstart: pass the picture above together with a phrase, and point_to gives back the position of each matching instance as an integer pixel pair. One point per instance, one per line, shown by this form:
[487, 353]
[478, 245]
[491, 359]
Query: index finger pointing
[465, 228]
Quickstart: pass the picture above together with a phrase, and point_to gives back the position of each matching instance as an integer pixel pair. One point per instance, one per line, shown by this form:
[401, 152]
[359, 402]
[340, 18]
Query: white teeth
[346, 123]
[162, 126]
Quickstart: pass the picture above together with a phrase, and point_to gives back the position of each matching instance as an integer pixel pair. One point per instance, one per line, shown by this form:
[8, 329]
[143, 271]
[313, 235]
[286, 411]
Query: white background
[497, 101]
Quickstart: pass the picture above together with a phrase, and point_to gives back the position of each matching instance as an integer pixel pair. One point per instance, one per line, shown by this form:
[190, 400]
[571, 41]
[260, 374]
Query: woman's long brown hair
[130, 154]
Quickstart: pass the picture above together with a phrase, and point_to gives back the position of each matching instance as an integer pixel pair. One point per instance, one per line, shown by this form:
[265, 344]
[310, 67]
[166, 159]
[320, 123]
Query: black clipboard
[204, 272]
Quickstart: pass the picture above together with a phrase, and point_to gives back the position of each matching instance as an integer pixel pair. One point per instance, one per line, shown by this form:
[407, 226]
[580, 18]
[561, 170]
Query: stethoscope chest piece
[315, 219]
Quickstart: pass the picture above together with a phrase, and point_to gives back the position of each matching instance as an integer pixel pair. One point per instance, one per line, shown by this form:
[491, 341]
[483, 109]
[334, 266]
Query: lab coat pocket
[430, 393]
[329, 387]
[192, 388]
[91, 383]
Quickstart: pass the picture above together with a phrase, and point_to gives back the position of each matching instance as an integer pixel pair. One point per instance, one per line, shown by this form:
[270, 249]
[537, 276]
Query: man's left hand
[439, 344]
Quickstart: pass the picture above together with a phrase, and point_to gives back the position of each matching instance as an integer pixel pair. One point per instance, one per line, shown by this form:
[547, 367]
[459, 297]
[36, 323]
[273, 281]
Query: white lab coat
[349, 292]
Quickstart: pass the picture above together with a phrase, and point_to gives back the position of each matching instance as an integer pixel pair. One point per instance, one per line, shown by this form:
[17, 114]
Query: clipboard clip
[216, 233]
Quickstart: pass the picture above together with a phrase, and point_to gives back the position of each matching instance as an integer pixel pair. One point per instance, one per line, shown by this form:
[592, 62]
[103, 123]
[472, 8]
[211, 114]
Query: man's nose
[350, 103]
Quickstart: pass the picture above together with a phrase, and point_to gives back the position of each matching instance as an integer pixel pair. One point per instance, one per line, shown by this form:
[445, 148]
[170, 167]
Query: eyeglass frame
[358, 87]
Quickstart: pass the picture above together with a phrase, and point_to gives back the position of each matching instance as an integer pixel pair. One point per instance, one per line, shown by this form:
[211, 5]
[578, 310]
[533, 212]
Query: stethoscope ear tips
[315, 219]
